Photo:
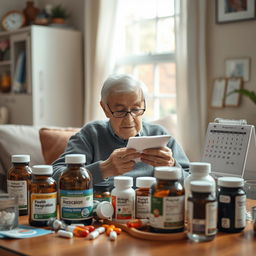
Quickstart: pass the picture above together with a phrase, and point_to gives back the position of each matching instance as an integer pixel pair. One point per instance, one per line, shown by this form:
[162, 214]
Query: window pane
[167, 79]
[167, 107]
[165, 35]
[149, 113]
[147, 37]
[165, 8]
[145, 74]
[124, 70]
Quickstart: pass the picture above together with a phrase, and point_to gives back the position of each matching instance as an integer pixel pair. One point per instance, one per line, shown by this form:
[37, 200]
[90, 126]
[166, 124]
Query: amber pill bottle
[42, 196]
[76, 191]
[18, 179]
[167, 201]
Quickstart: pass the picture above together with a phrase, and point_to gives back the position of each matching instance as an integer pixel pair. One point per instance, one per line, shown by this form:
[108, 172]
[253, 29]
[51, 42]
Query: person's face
[127, 126]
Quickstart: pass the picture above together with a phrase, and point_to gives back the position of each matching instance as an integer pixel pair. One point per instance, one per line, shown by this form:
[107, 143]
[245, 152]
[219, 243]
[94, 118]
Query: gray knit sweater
[97, 141]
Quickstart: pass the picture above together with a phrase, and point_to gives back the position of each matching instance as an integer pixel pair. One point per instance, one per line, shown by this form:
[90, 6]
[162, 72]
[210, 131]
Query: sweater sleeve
[78, 144]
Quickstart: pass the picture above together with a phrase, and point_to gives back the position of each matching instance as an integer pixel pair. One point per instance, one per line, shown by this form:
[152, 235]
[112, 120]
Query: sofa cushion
[54, 141]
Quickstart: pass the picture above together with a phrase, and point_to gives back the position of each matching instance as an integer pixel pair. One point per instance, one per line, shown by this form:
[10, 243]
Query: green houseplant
[59, 14]
[250, 94]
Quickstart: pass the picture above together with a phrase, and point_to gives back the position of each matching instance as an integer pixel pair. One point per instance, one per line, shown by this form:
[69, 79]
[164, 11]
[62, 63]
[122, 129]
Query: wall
[230, 40]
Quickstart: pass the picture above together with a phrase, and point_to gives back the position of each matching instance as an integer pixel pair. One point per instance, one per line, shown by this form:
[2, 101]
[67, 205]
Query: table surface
[242, 244]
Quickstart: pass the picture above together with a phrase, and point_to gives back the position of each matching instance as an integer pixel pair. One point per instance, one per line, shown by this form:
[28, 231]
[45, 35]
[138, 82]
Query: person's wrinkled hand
[120, 161]
[158, 156]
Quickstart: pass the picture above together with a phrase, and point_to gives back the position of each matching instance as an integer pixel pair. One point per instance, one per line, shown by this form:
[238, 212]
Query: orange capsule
[112, 226]
[118, 230]
[105, 226]
[90, 228]
[109, 229]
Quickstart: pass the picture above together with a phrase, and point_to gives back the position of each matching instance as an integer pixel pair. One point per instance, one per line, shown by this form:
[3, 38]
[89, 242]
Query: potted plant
[250, 94]
[59, 14]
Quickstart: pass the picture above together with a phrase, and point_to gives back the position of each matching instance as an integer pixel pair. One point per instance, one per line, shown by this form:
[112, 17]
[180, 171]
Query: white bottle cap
[42, 170]
[75, 159]
[104, 210]
[201, 186]
[230, 182]
[200, 168]
[20, 158]
[168, 173]
[145, 182]
[123, 181]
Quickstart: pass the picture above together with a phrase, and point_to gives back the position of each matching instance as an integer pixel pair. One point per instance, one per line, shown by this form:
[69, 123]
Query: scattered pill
[94, 234]
[118, 230]
[100, 230]
[64, 233]
[113, 235]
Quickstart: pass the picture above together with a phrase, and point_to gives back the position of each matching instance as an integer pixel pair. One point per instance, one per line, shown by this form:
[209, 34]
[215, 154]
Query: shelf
[5, 62]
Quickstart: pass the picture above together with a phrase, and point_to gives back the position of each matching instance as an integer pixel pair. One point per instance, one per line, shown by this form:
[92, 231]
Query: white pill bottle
[199, 171]
[123, 199]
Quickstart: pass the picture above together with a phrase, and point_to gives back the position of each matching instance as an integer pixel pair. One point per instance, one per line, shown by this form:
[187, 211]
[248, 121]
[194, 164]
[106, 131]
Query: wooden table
[242, 244]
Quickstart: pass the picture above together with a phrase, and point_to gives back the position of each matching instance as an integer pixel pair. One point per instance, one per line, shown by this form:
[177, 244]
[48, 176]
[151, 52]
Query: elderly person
[104, 142]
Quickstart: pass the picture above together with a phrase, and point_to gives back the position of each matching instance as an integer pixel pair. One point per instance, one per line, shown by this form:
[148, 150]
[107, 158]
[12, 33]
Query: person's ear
[105, 109]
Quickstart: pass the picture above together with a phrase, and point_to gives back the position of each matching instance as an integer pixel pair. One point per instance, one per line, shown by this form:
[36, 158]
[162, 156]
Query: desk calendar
[230, 147]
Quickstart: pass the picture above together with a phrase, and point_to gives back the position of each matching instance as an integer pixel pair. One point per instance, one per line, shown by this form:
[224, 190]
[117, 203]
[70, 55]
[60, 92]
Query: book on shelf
[19, 81]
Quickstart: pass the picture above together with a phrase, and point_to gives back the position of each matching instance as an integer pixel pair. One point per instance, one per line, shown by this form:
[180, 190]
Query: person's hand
[120, 161]
[158, 156]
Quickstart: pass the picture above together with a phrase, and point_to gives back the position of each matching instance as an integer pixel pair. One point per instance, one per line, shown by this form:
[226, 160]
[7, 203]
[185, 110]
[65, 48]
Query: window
[146, 49]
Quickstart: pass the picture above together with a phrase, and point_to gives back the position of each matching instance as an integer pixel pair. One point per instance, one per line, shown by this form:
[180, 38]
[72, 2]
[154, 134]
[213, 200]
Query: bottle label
[240, 216]
[43, 206]
[100, 199]
[167, 212]
[76, 204]
[224, 199]
[123, 207]
[142, 207]
[225, 222]
[19, 188]
[203, 226]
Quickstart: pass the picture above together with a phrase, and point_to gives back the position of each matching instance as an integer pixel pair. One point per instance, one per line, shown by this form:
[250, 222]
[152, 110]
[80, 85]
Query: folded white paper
[144, 142]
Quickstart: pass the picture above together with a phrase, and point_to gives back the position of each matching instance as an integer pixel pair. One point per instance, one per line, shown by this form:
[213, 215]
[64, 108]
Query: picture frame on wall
[233, 99]
[218, 92]
[239, 67]
[234, 10]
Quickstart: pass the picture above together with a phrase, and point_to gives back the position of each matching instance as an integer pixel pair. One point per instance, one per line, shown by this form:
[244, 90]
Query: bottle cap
[230, 182]
[20, 158]
[168, 173]
[42, 170]
[201, 186]
[75, 159]
[200, 168]
[104, 210]
[103, 186]
[145, 182]
[123, 181]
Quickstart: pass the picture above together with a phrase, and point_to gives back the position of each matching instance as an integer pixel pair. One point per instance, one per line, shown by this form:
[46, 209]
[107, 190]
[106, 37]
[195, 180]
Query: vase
[30, 13]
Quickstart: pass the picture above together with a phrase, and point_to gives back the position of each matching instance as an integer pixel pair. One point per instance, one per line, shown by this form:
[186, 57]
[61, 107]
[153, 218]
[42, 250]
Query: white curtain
[100, 16]
[191, 76]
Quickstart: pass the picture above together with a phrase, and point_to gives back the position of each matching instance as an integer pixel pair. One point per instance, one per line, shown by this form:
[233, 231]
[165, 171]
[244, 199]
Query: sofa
[43, 144]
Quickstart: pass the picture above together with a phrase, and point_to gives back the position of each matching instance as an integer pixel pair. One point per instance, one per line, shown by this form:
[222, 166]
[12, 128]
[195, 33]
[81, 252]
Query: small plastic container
[9, 212]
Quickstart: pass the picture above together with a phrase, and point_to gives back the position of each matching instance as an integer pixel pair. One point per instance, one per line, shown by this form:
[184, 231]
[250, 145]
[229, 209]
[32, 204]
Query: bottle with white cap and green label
[167, 201]
[76, 191]
[42, 196]
[18, 179]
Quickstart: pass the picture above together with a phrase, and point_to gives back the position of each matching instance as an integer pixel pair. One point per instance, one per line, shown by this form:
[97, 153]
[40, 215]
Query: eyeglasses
[134, 112]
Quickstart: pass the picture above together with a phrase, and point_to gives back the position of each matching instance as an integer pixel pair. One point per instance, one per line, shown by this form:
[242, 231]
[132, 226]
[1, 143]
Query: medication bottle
[198, 171]
[76, 191]
[231, 204]
[102, 210]
[101, 191]
[42, 196]
[167, 201]
[202, 212]
[142, 202]
[18, 179]
[123, 199]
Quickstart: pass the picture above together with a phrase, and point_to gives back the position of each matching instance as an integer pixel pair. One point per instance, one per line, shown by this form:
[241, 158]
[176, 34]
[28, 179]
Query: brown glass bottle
[18, 179]
[42, 196]
[76, 192]
[167, 201]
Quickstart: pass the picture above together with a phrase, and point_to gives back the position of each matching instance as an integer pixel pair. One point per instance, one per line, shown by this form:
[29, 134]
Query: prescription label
[76, 204]
[19, 188]
[123, 207]
[43, 206]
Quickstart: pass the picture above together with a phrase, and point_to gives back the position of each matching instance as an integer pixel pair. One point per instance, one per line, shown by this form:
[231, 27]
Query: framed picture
[238, 68]
[234, 10]
[218, 92]
[233, 99]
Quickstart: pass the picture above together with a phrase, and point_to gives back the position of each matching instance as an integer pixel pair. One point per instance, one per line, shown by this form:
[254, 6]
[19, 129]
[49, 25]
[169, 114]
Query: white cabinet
[51, 93]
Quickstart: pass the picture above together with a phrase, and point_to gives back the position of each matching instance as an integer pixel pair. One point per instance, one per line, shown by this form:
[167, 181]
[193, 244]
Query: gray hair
[121, 83]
